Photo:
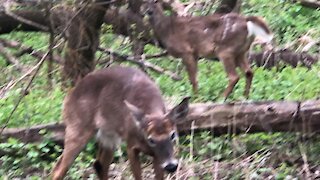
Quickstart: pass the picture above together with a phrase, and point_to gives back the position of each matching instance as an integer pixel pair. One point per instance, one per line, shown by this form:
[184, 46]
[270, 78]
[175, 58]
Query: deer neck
[161, 23]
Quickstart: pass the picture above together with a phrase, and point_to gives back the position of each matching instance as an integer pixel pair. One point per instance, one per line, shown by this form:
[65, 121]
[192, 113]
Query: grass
[202, 155]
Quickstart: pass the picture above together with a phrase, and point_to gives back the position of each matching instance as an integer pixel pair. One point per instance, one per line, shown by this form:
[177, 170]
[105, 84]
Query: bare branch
[155, 68]
[11, 59]
[24, 93]
[27, 50]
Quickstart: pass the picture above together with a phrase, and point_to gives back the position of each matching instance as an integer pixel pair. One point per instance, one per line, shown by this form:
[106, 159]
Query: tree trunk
[270, 116]
[227, 6]
[82, 40]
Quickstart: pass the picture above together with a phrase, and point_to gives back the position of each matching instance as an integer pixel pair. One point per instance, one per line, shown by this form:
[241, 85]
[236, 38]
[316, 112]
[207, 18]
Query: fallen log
[240, 117]
[269, 59]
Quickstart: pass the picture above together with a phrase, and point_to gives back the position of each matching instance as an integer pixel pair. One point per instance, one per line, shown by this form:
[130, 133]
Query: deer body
[226, 36]
[117, 104]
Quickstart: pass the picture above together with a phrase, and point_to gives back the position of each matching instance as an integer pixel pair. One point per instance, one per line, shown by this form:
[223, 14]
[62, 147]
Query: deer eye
[151, 141]
[173, 136]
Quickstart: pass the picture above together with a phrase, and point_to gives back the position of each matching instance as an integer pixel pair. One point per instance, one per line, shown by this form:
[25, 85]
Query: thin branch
[51, 44]
[11, 59]
[25, 91]
[27, 50]
[119, 57]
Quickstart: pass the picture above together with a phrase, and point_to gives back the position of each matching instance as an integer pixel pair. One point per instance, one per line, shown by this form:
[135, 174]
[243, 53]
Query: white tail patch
[258, 32]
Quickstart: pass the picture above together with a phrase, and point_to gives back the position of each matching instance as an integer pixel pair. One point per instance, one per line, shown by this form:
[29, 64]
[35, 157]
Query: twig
[51, 44]
[24, 92]
[27, 50]
[305, 162]
[165, 53]
[119, 57]
[10, 59]
[5, 88]
[191, 142]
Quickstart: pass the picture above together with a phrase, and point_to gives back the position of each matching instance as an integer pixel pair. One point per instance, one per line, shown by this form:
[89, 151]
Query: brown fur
[118, 103]
[219, 35]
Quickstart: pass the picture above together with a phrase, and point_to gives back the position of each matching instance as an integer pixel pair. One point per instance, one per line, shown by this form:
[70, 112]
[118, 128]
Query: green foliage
[38, 106]
[288, 20]
[274, 154]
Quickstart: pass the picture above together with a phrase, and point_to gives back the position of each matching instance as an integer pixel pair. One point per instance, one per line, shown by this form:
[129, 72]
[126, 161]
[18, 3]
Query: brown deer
[120, 103]
[226, 36]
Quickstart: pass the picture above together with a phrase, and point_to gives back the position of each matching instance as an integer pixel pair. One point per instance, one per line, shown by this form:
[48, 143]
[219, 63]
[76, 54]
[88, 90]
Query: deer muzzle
[170, 165]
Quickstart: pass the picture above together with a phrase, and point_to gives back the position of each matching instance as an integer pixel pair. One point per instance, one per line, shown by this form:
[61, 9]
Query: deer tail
[258, 28]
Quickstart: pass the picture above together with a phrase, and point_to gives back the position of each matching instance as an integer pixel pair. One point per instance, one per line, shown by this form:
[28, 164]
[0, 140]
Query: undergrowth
[203, 156]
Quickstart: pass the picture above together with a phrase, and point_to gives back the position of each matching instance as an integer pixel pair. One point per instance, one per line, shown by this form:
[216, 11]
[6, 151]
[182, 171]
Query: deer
[120, 104]
[225, 36]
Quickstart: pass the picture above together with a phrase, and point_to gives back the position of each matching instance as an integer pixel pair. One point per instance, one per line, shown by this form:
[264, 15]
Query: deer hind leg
[103, 161]
[75, 141]
[191, 65]
[246, 69]
[230, 68]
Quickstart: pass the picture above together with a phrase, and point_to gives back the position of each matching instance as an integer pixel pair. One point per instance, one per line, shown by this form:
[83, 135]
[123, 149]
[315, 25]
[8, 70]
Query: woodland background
[38, 65]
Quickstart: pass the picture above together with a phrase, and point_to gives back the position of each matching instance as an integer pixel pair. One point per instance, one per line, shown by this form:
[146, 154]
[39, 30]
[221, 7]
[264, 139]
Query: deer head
[159, 132]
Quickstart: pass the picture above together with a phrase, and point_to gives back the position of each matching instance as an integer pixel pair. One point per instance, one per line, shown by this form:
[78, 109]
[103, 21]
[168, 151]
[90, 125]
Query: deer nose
[171, 167]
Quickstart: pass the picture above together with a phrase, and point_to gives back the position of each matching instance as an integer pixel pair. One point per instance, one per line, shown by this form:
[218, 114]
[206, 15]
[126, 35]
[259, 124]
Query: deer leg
[135, 165]
[191, 65]
[74, 142]
[246, 69]
[230, 68]
[103, 161]
[158, 170]
[137, 48]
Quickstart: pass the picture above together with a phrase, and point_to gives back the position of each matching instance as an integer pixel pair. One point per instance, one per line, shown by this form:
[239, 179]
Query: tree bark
[83, 40]
[314, 4]
[269, 116]
[227, 6]
[269, 59]
[8, 23]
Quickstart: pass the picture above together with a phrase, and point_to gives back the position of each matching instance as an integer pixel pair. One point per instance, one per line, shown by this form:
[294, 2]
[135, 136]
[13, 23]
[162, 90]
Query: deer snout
[170, 165]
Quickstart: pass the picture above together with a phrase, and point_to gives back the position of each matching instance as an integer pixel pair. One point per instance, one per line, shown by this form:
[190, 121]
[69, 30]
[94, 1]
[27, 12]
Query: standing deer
[120, 103]
[226, 36]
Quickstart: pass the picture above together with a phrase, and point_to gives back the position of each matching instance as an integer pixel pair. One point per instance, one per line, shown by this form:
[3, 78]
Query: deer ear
[137, 113]
[180, 111]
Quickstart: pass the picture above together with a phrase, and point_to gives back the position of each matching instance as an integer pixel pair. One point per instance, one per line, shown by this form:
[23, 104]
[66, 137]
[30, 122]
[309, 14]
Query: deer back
[98, 99]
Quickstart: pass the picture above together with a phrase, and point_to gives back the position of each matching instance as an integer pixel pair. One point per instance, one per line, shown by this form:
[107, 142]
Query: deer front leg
[135, 165]
[103, 161]
[230, 68]
[191, 65]
[74, 142]
[158, 170]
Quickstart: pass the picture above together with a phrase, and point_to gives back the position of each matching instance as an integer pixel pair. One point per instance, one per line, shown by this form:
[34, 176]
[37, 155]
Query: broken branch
[155, 68]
